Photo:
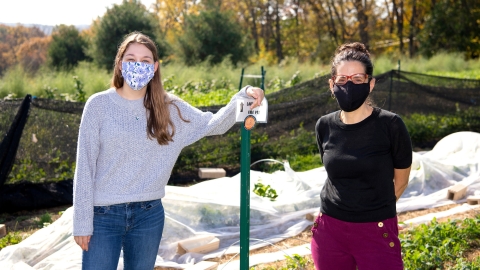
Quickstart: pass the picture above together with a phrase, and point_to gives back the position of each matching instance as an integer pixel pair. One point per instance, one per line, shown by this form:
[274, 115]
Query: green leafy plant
[275, 84]
[50, 92]
[64, 170]
[44, 220]
[295, 262]
[463, 264]
[11, 238]
[29, 170]
[212, 217]
[169, 84]
[80, 95]
[429, 128]
[265, 191]
[294, 80]
[431, 246]
[209, 215]
[26, 170]
[300, 163]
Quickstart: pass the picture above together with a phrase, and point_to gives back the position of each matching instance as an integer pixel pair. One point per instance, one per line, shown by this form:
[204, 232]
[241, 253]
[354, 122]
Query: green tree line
[248, 31]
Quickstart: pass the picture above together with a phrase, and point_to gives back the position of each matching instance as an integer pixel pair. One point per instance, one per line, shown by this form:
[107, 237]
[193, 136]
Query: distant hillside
[47, 29]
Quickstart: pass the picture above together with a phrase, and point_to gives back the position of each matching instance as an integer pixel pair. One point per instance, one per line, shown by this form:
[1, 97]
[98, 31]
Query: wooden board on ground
[200, 244]
[457, 192]
[211, 173]
[473, 199]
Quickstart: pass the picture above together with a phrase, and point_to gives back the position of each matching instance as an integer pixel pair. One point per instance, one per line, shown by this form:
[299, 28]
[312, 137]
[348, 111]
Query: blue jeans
[136, 227]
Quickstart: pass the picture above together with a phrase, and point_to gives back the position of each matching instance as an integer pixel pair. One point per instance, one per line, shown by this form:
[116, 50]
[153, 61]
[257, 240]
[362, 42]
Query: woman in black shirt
[367, 154]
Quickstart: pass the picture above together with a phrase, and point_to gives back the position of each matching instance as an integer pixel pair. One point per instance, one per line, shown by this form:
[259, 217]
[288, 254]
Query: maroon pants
[341, 245]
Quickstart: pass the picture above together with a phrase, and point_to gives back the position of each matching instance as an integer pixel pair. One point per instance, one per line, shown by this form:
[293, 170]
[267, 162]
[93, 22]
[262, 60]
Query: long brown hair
[156, 101]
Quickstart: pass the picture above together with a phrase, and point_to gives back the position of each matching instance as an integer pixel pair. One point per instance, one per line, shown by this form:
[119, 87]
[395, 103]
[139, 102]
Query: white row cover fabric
[212, 208]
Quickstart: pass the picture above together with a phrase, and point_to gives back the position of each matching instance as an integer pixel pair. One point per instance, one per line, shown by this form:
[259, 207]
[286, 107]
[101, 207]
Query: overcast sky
[54, 12]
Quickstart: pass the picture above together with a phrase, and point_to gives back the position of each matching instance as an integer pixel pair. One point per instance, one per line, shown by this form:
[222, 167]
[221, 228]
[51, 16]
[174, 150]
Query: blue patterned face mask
[137, 74]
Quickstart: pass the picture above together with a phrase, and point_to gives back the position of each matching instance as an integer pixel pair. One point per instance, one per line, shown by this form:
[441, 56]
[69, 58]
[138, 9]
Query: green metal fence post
[245, 200]
[262, 84]
[245, 161]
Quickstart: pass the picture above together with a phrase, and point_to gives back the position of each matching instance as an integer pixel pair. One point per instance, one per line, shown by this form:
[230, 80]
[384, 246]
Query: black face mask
[351, 96]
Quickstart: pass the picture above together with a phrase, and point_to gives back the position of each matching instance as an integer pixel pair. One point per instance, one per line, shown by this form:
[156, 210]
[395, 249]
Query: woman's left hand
[257, 94]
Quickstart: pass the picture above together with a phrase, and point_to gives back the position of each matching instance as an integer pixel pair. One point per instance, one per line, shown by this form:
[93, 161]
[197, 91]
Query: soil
[28, 222]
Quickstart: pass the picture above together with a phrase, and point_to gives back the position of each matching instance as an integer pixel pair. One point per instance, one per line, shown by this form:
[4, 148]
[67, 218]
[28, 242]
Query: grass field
[187, 81]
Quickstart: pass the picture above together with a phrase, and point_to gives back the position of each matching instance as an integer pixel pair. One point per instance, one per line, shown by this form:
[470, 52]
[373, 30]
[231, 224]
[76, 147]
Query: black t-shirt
[360, 160]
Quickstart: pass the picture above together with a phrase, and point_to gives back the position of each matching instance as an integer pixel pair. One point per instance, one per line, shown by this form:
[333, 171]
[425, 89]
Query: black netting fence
[38, 148]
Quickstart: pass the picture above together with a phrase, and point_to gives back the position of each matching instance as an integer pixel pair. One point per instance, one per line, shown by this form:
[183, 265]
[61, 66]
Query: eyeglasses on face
[358, 78]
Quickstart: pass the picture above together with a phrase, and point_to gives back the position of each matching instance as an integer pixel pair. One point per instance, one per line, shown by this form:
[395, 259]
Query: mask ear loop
[331, 93]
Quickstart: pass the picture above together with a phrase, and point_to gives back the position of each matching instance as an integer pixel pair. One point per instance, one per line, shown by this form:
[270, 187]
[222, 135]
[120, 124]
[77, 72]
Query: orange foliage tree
[32, 54]
[11, 39]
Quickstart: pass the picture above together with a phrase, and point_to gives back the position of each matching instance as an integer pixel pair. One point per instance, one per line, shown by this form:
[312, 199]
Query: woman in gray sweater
[130, 137]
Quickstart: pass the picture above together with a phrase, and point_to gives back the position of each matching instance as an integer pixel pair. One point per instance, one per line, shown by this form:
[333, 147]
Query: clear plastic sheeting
[212, 208]
[208, 208]
[454, 160]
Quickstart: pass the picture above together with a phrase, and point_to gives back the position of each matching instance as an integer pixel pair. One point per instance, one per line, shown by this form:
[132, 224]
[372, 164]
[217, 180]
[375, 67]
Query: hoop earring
[333, 96]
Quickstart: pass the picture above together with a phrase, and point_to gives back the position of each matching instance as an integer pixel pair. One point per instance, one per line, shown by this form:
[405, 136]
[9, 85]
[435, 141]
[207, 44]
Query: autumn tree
[311, 29]
[171, 15]
[274, 29]
[11, 38]
[7, 57]
[117, 22]
[32, 53]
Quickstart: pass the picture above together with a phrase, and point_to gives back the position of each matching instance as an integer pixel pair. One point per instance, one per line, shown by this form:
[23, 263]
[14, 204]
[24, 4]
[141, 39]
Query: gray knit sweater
[117, 163]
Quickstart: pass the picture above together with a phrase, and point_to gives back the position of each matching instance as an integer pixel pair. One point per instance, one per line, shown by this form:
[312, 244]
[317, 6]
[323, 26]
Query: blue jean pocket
[100, 210]
[147, 205]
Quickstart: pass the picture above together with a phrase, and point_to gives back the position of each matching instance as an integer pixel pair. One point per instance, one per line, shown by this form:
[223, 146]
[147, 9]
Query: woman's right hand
[83, 241]
[257, 94]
